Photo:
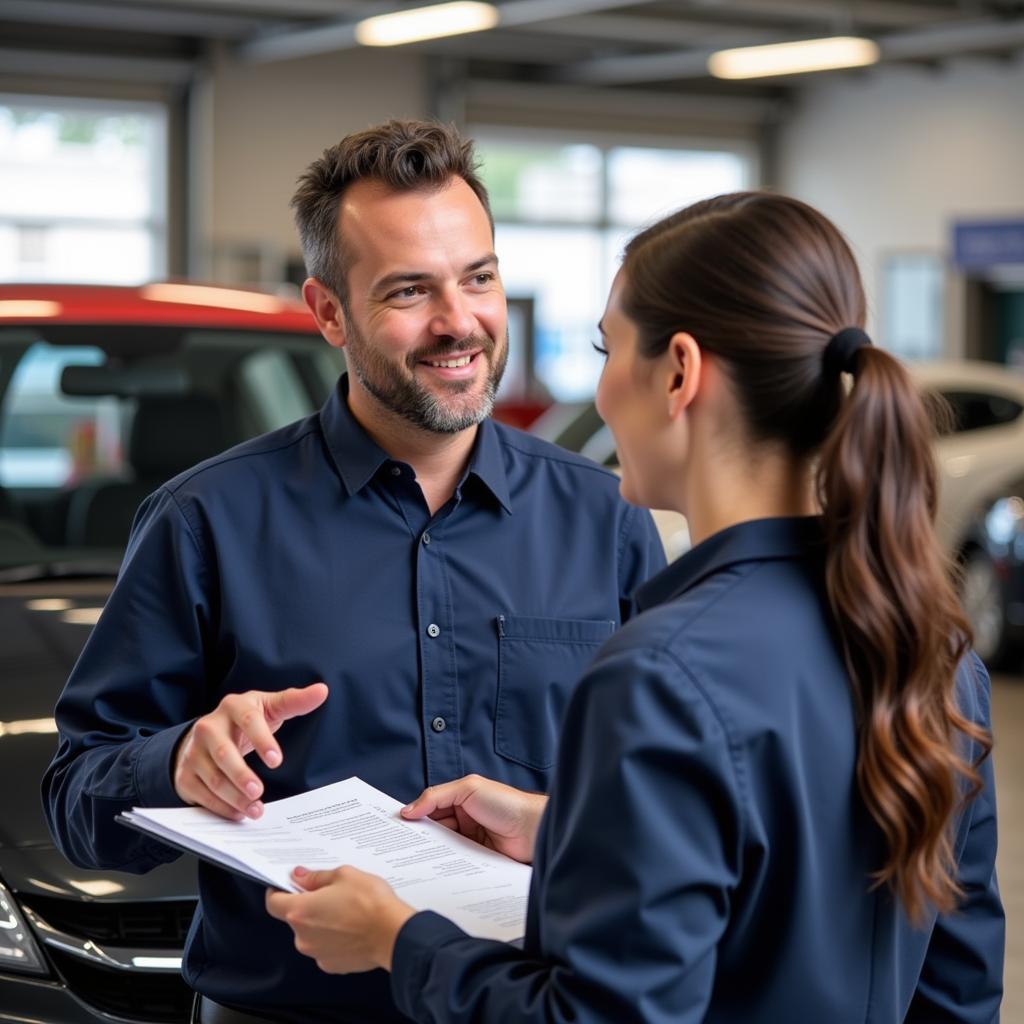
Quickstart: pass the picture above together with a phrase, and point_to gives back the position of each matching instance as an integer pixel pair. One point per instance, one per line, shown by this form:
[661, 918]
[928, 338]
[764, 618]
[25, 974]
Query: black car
[104, 394]
[993, 579]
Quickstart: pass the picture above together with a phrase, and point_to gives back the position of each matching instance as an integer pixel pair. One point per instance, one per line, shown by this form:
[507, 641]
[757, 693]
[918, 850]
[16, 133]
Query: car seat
[168, 435]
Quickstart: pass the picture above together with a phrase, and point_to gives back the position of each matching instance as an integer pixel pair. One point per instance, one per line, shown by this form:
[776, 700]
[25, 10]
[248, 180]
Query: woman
[773, 799]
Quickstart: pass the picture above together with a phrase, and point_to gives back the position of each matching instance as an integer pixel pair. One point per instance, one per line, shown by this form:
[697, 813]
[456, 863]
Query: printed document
[350, 822]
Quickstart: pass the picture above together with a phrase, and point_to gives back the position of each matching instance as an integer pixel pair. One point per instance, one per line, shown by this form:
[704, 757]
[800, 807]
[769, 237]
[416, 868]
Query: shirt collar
[754, 541]
[487, 464]
[355, 454]
[357, 457]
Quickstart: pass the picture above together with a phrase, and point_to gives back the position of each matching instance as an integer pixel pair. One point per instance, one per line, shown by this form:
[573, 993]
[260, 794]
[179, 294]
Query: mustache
[453, 349]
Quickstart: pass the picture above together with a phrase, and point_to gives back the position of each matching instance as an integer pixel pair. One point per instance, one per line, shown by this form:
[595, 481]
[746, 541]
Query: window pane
[647, 183]
[82, 191]
[912, 297]
[80, 253]
[529, 182]
[563, 269]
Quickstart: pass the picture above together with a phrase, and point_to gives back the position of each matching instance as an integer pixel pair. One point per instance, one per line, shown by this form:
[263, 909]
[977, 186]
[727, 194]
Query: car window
[49, 439]
[93, 418]
[978, 410]
[274, 388]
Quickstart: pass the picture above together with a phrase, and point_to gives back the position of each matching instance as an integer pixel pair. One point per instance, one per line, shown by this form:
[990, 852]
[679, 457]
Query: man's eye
[484, 278]
[406, 293]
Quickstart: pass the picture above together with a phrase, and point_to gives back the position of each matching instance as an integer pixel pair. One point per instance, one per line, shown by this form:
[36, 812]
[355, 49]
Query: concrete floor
[1008, 727]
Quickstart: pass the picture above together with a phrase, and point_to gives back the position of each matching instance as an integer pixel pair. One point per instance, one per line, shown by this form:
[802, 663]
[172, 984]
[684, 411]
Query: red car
[105, 393]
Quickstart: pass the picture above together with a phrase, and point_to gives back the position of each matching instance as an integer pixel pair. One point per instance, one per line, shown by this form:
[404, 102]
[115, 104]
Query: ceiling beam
[895, 14]
[340, 35]
[918, 44]
[59, 64]
[159, 21]
[639, 29]
[526, 96]
[285, 9]
[949, 40]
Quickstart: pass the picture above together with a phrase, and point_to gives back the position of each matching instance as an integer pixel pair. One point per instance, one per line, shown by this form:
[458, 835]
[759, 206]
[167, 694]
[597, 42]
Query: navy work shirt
[450, 644]
[705, 856]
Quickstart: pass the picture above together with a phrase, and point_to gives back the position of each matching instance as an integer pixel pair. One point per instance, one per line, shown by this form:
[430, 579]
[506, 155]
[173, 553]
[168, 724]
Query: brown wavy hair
[763, 281]
[404, 156]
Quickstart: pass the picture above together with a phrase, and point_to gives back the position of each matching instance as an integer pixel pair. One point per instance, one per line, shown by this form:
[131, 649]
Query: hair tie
[841, 350]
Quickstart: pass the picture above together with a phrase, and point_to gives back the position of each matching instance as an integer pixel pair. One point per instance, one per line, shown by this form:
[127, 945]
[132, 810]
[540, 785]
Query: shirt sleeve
[136, 688]
[641, 555]
[961, 981]
[637, 860]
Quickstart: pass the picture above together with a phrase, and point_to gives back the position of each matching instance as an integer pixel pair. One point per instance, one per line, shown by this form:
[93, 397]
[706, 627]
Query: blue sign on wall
[991, 243]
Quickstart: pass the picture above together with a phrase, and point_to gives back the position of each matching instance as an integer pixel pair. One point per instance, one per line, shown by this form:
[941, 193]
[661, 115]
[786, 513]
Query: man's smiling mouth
[453, 362]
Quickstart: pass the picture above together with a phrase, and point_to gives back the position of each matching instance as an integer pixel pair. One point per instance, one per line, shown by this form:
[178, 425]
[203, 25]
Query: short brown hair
[405, 156]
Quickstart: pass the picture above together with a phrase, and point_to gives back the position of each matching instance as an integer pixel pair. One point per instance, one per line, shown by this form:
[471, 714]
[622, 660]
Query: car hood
[42, 870]
[44, 625]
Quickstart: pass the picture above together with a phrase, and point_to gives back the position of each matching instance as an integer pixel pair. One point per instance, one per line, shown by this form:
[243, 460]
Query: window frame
[603, 227]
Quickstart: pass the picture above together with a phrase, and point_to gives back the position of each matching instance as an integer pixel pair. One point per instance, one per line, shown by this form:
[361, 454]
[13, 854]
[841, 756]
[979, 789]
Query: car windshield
[94, 418]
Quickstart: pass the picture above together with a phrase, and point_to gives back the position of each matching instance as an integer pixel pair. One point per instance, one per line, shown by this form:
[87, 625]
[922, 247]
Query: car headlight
[18, 950]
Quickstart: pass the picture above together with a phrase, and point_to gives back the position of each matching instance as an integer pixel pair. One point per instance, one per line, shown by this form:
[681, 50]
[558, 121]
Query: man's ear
[685, 365]
[327, 311]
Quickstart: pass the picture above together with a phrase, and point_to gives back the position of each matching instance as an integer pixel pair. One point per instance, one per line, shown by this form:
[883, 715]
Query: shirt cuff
[154, 782]
[420, 938]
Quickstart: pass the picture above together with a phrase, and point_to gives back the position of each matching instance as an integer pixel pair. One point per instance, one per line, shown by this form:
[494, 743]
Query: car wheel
[983, 603]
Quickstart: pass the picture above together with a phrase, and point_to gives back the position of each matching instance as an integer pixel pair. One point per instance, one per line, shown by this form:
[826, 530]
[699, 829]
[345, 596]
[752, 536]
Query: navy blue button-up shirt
[450, 644]
[705, 856]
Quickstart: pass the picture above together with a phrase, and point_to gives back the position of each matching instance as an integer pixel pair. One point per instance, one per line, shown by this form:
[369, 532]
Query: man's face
[426, 321]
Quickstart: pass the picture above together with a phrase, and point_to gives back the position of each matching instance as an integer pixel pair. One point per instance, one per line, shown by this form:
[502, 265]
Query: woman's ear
[684, 372]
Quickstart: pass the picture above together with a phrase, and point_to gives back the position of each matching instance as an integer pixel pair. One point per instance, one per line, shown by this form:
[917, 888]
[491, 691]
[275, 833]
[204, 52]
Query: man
[397, 588]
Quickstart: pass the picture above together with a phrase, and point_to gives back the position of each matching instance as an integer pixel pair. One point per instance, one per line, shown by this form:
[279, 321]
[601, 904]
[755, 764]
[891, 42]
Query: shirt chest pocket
[539, 662]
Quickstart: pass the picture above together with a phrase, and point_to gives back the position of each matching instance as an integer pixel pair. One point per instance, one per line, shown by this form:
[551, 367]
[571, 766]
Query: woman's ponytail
[902, 629]
[763, 282]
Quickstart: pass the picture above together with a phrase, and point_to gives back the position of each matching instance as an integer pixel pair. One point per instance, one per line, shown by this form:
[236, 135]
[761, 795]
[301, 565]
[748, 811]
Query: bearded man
[397, 588]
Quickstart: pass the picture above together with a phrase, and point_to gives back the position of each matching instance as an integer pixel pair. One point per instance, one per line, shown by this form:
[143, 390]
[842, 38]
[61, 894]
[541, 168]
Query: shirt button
[438, 724]
[433, 629]
[396, 470]
[426, 538]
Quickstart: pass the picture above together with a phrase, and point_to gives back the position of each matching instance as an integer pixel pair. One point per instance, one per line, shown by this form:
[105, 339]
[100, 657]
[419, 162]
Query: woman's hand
[346, 920]
[495, 815]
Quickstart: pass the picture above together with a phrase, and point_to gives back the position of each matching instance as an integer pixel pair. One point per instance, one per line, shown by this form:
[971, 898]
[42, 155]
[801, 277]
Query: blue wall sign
[991, 243]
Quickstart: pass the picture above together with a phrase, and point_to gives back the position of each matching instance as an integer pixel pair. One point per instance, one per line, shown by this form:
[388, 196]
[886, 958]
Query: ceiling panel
[613, 43]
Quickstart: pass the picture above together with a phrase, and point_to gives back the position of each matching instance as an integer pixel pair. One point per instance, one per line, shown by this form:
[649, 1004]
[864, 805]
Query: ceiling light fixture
[433, 22]
[793, 58]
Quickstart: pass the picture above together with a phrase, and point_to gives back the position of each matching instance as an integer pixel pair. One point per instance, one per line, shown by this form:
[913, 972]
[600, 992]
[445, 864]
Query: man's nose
[453, 316]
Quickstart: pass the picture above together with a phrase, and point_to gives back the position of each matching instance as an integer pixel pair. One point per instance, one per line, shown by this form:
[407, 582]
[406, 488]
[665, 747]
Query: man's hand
[493, 814]
[209, 766]
[346, 920]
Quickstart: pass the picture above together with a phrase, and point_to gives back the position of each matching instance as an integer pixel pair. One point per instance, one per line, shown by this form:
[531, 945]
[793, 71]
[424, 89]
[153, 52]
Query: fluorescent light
[29, 307]
[204, 295]
[426, 23]
[793, 58]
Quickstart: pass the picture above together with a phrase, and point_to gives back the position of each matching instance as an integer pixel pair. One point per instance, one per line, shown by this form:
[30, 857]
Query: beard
[398, 391]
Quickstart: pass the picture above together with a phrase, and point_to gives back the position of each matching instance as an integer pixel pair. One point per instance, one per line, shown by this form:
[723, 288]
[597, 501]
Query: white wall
[260, 125]
[895, 155]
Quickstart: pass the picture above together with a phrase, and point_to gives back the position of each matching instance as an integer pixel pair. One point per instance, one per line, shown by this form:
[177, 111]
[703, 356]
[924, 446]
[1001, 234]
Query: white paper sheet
[429, 866]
